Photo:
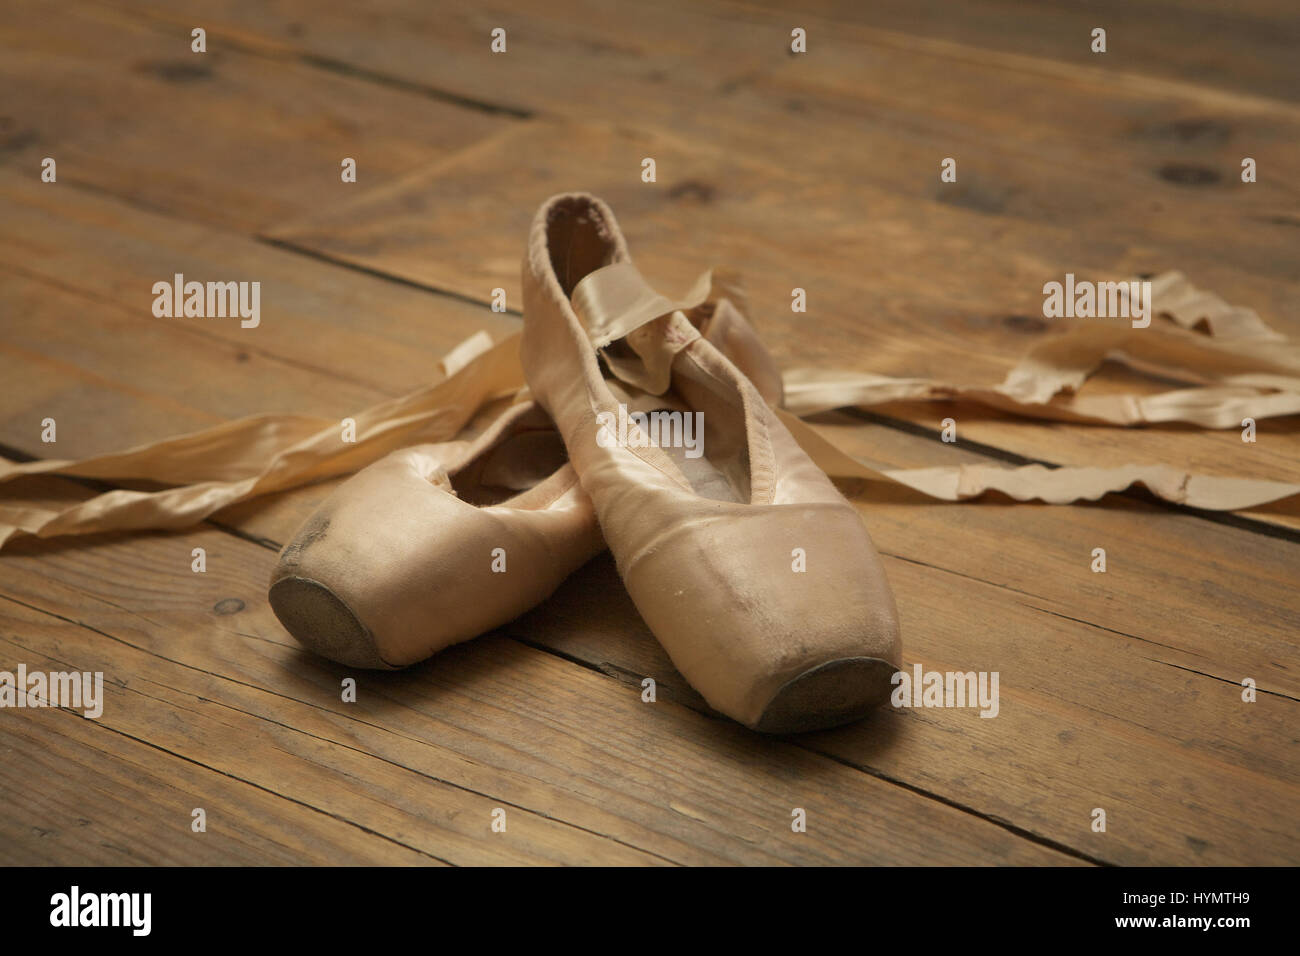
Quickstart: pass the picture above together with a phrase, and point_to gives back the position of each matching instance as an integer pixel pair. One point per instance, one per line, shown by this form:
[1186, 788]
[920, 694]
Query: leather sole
[321, 622]
[828, 695]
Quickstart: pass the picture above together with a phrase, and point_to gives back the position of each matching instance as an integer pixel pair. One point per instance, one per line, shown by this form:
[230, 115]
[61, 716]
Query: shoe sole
[828, 695]
[321, 622]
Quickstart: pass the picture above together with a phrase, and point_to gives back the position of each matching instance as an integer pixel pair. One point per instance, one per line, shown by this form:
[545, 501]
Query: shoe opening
[528, 453]
[579, 239]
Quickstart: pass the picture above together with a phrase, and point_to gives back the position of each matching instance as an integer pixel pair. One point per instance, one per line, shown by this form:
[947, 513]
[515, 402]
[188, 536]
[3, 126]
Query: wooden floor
[1120, 691]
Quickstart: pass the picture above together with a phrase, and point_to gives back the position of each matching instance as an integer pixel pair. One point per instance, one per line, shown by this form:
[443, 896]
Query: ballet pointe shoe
[436, 544]
[390, 569]
[751, 569]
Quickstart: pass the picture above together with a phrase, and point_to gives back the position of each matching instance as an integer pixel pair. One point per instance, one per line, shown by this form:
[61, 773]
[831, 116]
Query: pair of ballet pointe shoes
[754, 573]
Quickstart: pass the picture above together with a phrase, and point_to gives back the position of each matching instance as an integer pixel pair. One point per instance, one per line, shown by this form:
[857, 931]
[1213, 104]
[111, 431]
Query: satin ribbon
[615, 304]
[252, 456]
[1056, 486]
[614, 301]
[1243, 369]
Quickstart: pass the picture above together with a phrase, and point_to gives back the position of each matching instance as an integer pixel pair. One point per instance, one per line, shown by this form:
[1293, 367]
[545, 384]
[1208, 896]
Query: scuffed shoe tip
[834, 693]
[321, 622]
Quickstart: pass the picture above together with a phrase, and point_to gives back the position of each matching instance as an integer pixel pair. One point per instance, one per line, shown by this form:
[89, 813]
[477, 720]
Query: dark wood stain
[1025, 323]
[693, 190]
[1189, 174]
[177, 71]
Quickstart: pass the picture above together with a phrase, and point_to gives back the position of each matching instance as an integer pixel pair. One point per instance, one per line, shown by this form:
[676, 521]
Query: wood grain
[1245, 47]
[1120, 691]
[83, 794]
[330, 341]
[856, 253]
[225, 136]
[588, 773]
[1079, 141]
[1076, 146]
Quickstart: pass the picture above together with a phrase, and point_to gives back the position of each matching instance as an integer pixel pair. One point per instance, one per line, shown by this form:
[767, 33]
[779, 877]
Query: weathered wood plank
[1187, 773]
[947, 525]
[112, 379]
[215, 721]
[223, 137]
[552, 54]
[79, 273]
[79, 794]
[1038, 143]
[681, 46]
[980, 587]
[1246, 47]
[1120, 690]
[975, 268]
[1085, 145]
[1123, 696]
[857, 254]
[423, 756]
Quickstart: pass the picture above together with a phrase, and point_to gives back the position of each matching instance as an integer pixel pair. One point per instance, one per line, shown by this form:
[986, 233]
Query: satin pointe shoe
[399, 562]
[436, 544]
[752, 570]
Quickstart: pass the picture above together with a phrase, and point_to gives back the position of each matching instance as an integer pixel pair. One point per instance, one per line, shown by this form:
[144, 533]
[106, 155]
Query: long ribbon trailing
[1240, 369]
[1056, 486]
[260, 454]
